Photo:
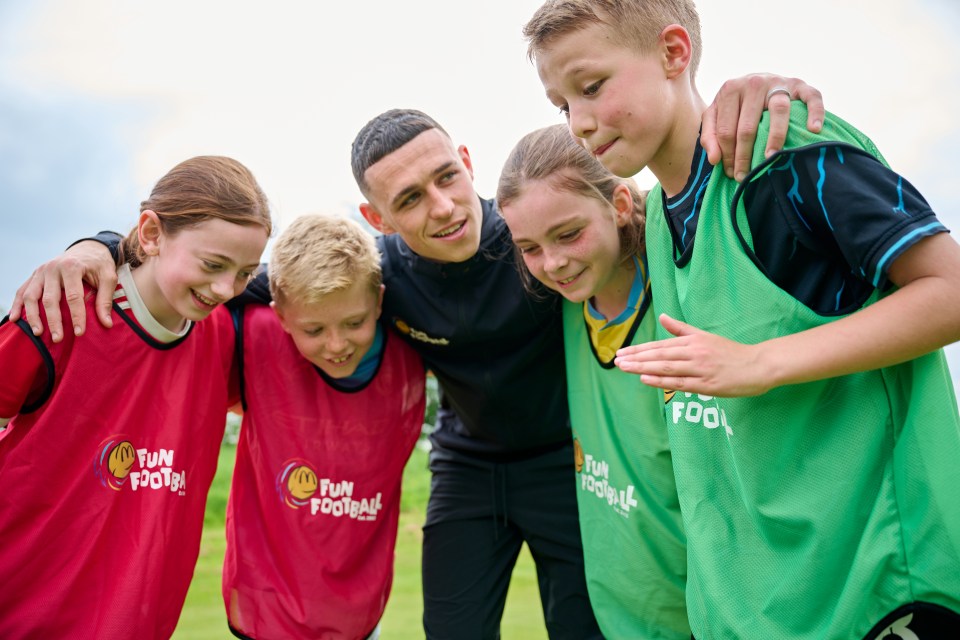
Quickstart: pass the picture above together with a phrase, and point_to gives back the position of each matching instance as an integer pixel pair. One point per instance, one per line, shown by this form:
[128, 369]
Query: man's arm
[730, 123]
[90, 260]
[922, 315]
[93, 260]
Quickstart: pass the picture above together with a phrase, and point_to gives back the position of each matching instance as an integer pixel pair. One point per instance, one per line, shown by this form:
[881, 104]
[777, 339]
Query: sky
[100, 98]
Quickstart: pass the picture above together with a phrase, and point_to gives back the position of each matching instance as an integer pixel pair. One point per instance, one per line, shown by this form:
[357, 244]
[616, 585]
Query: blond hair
[553, 154]
[633, 23]
[318, 255]
[200, 189]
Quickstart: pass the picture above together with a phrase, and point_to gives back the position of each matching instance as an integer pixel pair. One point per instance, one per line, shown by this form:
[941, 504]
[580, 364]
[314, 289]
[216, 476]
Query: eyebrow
[550, 230]
[403, 193]
[227, 259]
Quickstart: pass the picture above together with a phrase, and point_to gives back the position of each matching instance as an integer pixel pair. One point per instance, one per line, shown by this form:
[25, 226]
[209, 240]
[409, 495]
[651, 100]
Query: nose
[581, 122]
[226, 286]
[336, 342]
[441, 204]
[553, 260]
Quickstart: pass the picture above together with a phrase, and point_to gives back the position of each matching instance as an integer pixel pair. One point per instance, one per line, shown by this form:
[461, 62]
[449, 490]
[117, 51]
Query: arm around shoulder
[88, 260]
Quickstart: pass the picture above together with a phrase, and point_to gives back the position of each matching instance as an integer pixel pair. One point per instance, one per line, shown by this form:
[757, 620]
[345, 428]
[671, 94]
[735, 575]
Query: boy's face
[424, 192]
[338, 330]
[616, 100]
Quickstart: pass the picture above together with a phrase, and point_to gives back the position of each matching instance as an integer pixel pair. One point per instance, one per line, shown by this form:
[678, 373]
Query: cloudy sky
[99, 98]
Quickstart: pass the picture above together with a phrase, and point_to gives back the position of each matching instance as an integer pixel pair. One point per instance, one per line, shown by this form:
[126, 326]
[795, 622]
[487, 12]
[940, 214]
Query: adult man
[502, 458]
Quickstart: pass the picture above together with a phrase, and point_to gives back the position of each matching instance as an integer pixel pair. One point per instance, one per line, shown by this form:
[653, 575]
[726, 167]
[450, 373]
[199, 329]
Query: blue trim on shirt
[636, 290]
[368, 365]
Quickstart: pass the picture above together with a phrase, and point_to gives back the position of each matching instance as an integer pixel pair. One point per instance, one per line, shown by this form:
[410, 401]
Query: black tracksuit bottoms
[479, 514]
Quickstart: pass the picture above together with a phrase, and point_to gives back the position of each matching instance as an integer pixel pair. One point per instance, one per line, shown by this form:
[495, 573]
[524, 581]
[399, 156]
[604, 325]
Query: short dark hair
[385, 134]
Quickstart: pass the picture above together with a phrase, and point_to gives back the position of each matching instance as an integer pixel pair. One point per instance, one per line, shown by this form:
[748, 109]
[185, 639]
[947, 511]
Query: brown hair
[552, 153]
[318, 255]
[633, 23]
[196, 190]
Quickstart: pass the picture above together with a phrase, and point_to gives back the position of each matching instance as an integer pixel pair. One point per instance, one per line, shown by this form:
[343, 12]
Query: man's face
[424, 191]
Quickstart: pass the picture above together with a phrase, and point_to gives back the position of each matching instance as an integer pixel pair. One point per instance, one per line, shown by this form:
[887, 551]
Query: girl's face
[569, 241]
[186, 275]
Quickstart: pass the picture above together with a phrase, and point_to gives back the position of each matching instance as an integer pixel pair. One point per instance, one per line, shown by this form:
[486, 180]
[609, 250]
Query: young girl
[114, 436]
[579, 230]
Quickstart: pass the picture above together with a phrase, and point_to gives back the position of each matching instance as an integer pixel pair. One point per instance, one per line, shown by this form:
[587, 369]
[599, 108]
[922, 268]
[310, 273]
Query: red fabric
[312, 518]
[24, 374]
[104, 486]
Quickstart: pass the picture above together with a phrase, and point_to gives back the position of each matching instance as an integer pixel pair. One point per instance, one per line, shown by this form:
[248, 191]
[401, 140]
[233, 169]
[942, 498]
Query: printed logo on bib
[118, 463]
[417, 334]
[694, 409]
[595, 479]
[899, 631]
[299, 485]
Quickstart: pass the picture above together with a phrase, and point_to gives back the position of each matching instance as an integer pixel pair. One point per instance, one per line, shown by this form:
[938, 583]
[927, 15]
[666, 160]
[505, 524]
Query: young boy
[333, 405]
[826, 506]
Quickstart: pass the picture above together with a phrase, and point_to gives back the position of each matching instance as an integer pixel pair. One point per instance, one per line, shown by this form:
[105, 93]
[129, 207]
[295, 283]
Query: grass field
[203, 616]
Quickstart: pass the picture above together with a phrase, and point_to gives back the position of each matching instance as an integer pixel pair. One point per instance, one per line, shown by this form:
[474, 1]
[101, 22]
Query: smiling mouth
[340, 361]
[602, 149]
[205, 300]
[449, 231]
[566, 282]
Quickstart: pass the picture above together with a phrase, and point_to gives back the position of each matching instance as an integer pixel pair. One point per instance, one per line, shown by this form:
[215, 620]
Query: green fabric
[813, 510]
[633, 542]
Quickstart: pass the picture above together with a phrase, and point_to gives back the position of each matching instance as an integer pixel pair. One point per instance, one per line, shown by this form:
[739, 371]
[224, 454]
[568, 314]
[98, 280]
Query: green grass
[203, 616]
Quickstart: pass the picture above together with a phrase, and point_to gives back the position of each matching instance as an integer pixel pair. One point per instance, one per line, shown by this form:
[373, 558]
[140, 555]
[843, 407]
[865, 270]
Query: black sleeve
[848, 204]
[829, 220]
[257, 292]
[110, 239]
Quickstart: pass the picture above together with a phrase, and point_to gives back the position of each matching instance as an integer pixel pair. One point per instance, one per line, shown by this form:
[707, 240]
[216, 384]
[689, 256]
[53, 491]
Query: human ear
[375, 219]
[622, 204]
[380, 300]
[676, 49]
[149, 232]
[465, 158]
[283, 321]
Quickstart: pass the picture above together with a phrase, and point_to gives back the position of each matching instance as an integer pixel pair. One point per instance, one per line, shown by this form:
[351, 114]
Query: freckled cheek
[534, 264]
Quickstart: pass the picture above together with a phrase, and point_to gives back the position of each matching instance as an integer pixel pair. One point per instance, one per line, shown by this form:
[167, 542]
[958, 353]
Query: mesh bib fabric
[815, 509]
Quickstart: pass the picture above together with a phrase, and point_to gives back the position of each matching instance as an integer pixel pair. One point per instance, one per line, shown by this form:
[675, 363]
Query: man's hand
[88, 260]
[730, 122]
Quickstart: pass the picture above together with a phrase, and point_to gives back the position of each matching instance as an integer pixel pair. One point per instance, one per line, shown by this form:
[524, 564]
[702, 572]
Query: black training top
[496, 349]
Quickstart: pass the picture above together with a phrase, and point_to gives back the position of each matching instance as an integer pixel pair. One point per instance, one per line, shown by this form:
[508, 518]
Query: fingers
[814, 101]
[17, 304]
[677, 327]
[730, 123]
[747, 123]
[708, 135]
[51, 303]
[27, 301]
[672, 383]
[107, 283]
[778, 104]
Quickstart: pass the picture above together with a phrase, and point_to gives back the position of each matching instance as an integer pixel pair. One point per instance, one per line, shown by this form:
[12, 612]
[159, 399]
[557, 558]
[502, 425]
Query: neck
[671, 166]
[612, 299]
[154, 300]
